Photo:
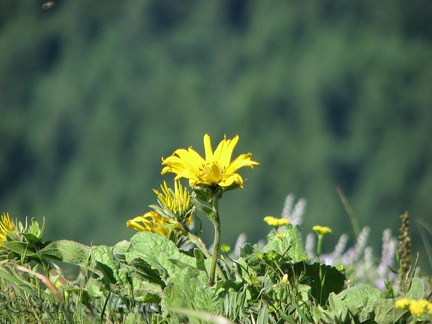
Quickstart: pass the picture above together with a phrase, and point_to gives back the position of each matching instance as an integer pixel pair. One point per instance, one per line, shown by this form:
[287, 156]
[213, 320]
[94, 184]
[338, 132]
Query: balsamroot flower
[6, 227]
[175, 203]
[151, 222]
[216, 170]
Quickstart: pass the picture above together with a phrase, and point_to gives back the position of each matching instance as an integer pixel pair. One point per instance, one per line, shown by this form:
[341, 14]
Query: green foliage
[151, 279]
[288, 242]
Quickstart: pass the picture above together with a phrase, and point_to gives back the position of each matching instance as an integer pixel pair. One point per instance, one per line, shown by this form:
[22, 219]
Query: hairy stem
[216, 244]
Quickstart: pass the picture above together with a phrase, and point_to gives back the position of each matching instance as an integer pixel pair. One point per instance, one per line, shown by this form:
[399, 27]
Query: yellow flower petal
[6, 227]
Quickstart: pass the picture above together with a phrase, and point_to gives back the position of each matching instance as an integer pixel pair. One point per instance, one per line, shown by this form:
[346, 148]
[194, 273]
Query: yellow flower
[150, 222]
[177, 203]
[6, 227]
[216, 170]
[322, 230]
[418, 307]
[275, 222]
[402, 303]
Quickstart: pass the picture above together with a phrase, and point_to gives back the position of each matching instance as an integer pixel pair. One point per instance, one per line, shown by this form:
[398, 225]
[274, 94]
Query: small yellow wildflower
[418, 307]
[402, 303]
[6, 227]
[275, 222]
[285, 278]
[321, 230]
[216, 170]
[150, 222]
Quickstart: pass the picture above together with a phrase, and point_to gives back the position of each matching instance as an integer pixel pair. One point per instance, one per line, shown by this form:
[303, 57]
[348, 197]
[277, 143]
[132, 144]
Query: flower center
[211, 172]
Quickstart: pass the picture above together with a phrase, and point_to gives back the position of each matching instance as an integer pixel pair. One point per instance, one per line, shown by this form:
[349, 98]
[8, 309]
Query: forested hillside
[324, 94]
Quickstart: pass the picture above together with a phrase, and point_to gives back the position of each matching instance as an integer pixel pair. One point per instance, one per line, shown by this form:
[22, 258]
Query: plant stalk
[216, 244]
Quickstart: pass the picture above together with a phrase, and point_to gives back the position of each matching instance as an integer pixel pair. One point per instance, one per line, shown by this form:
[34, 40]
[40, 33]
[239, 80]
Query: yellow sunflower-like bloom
[216, 170]
[176, 202]
[322, 230]
[275, 222]
[6, 227]
[150, 222]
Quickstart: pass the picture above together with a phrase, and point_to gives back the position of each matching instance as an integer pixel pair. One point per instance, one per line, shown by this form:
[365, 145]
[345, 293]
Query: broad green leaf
[386, 312]
[189, 288]
[120, 249]
[417, 290]
[360, 301]
[103, 262]
[158, 252]
[287, 242]
[67, 251]
[323, 279]
[142, 271]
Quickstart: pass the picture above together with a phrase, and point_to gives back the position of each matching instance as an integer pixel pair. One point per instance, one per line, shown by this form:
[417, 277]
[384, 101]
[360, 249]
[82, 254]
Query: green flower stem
[216, 244]
[198, 242]
[319, 245]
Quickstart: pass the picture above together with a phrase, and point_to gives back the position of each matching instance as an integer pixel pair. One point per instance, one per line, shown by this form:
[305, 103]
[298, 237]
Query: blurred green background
[324, 94]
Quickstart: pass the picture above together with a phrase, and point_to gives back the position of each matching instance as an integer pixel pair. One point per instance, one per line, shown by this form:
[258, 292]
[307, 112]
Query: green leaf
[200, 259]
[417, 290]
[67, 251]
[287, 242]
[189, 288]
[386, 312]
[323, 279]
[31, 238]
[159, 253]
[120, 249]
[359, 301]
[103, 263]
[203, 208]
[22, 248]
[204, 317]
[35, 229]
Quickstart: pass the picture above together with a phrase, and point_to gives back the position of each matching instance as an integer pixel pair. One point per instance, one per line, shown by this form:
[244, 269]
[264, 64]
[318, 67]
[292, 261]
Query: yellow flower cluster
[322, 230]
[6, 227]
[275, 222]
[176, 207]
[416, 307]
